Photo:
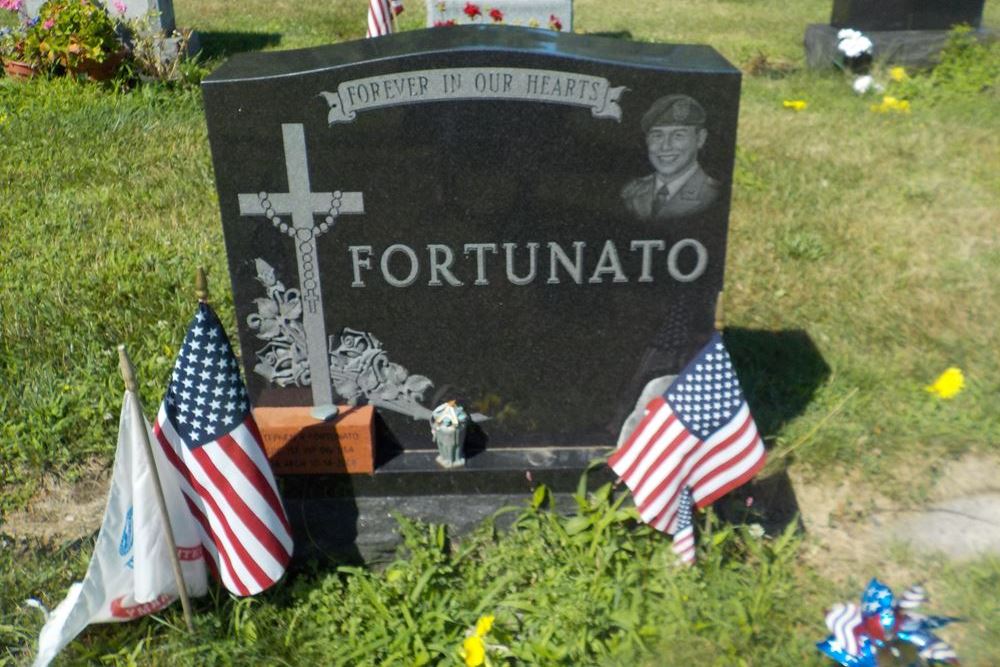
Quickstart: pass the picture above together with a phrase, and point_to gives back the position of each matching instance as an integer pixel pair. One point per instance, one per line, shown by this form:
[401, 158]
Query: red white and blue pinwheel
[884, 631]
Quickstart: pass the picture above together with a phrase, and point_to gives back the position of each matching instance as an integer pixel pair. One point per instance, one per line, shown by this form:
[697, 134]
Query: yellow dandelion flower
[474, 651]
[890, 103]
[795, 105]
[898, 74]
[948, 383]
[484, 625]
[533, 23]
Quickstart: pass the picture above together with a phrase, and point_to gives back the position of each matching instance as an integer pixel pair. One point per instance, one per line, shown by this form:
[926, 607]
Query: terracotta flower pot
[16, 69]
[99, 71]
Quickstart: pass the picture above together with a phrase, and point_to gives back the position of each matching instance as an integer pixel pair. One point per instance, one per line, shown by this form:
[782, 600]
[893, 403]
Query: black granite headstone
[473, 214]
[906, 14]
[911, 33]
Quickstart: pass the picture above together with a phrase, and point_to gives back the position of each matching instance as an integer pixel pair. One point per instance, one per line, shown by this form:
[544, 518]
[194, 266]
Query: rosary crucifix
[304, 205]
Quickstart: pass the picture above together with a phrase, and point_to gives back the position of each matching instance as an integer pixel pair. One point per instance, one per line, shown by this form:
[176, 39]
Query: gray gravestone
[473, 213]
[551, 14]
[906, 14]
[903, 32]
[160, 12]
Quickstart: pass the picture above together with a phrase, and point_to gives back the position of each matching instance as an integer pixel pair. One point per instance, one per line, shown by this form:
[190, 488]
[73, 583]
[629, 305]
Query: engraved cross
[304, 205]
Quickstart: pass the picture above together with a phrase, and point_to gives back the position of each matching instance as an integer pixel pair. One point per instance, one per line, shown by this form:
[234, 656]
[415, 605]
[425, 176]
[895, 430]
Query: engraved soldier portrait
[674, 127]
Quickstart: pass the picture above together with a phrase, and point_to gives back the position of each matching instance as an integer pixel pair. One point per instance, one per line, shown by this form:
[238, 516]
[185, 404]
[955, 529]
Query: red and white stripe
[231, 493]
[844, 621]
[684, 545]
[913, 597]
[941, 652]
[661, 457]
[380, 13]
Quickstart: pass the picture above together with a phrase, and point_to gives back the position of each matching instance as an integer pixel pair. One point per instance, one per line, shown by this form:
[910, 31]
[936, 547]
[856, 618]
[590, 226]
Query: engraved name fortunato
[438, 264]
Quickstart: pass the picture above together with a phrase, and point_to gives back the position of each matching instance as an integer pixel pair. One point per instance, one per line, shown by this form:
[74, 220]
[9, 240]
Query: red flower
[445, 24]
[496, 15]
[554, 22]
[472, 10]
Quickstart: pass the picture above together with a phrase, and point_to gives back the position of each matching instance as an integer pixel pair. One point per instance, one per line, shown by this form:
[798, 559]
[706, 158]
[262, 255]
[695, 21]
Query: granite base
[352, 517]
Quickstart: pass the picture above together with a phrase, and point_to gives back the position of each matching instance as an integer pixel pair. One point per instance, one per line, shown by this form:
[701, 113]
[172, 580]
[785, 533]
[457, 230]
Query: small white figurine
[449, 423]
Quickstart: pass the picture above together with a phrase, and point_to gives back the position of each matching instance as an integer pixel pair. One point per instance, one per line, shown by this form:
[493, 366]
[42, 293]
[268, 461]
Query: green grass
[875, 237]
[592, 588]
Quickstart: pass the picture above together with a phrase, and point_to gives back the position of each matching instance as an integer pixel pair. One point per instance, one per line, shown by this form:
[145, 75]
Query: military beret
[673, 110]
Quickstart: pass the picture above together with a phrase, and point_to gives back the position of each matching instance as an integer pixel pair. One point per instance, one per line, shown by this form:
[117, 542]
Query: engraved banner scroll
[474, 83]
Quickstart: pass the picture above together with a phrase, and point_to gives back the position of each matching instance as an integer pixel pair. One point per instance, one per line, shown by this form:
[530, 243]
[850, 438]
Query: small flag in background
[380, 16]
[208, 434]
[698, 434]
[684, 537]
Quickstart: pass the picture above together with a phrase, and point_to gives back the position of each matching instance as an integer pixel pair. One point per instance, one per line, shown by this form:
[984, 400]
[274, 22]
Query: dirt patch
[62, 510]
[850, 527]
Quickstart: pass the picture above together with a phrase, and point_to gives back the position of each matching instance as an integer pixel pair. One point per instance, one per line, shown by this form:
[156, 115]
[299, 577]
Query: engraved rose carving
[284, 359]
[360, 368]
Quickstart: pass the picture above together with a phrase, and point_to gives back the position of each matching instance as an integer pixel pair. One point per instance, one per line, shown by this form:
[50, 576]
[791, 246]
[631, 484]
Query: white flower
[866, 83]
[852, 43]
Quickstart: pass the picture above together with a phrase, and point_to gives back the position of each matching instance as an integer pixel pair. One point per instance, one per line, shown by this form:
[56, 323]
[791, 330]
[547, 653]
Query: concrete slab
[961, 528]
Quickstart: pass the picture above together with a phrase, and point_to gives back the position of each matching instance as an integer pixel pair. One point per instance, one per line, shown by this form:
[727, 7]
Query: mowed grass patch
[846, 225]
[108, 208]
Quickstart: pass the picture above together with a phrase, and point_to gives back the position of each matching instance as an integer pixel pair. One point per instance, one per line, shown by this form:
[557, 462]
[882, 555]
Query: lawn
[867, 242]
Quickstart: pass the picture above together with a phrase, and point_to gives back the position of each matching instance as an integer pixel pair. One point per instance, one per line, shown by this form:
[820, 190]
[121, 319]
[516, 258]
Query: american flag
[844, 621]
[698, 434]
[207, 432]
[684, 537]
[380, 16]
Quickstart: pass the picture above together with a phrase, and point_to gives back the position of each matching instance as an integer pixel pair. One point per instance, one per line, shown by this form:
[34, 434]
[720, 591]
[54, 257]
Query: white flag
[130, 574]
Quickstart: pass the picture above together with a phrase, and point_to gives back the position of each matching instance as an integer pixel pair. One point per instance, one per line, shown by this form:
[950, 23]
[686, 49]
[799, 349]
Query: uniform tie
[660, 200]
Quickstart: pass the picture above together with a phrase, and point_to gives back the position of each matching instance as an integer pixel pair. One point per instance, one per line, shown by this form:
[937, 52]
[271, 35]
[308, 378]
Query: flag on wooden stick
[130, 572]
[209, 436]
[381, 15]
[699, 434]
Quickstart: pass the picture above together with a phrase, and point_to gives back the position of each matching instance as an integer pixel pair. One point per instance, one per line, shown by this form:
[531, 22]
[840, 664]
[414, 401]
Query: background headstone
[439, 215]
[551, 14]
[902, 32]
[867, 15]
[161, 18]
